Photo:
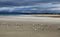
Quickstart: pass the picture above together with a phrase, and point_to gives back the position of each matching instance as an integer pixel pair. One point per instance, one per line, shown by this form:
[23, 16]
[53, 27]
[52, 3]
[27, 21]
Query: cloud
[55, 7]
[25, 2]
[37, 8]
[16, 8]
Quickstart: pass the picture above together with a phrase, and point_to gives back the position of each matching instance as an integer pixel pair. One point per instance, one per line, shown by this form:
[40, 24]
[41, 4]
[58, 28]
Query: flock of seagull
[37, 27]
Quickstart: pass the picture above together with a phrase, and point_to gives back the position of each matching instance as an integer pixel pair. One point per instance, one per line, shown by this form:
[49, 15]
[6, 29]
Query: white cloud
[53, 9]
[10, 9]
[50, 6]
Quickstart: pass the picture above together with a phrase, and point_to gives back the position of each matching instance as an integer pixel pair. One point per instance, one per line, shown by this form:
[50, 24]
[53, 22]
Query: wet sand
[29, 26]
[47, 15]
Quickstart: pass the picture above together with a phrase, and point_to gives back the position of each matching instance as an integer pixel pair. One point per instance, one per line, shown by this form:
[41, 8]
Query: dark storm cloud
[24, 2]
[17, 2]
[37, 8]
[30, 6]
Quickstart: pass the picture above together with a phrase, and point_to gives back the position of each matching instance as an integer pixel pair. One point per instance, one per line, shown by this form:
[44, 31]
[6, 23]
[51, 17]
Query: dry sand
[29, 26]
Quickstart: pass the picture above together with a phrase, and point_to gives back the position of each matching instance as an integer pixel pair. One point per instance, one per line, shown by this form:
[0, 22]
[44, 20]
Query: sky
[30, 6]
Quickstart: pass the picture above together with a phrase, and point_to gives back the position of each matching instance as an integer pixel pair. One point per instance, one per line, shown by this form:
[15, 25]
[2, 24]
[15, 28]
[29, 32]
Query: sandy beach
[29, 26]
